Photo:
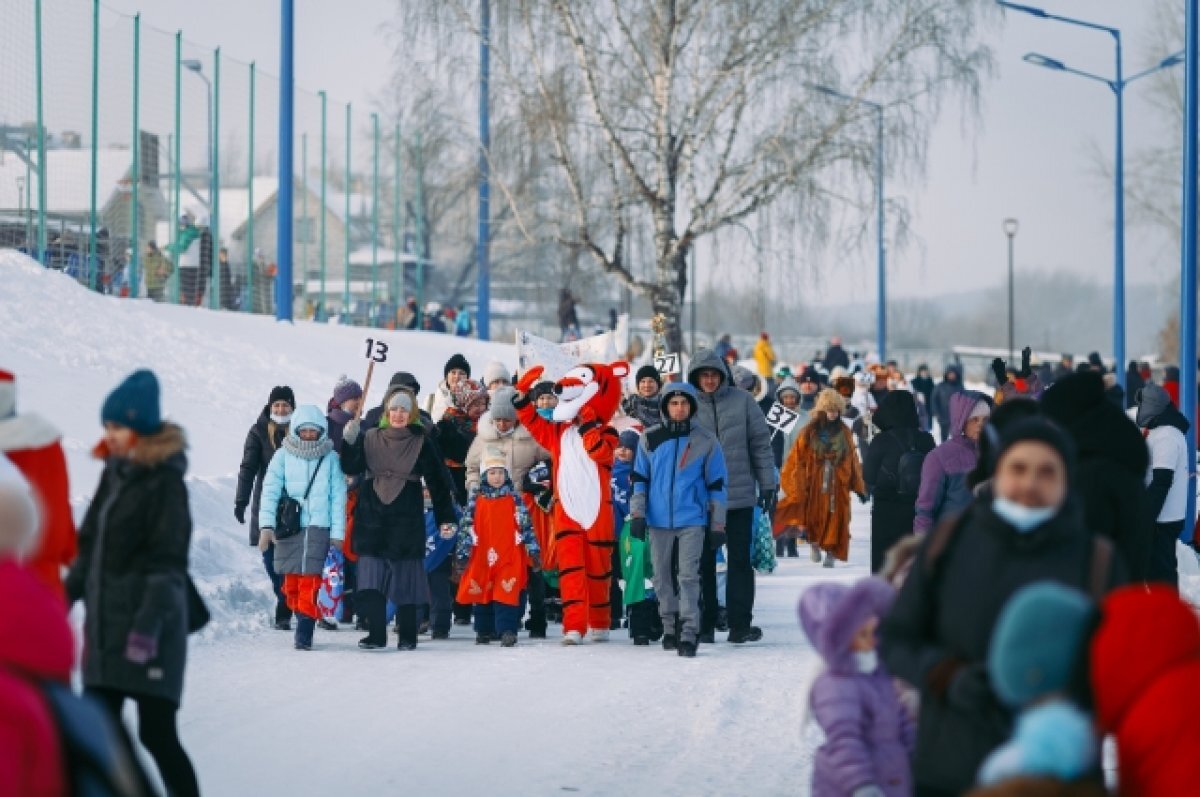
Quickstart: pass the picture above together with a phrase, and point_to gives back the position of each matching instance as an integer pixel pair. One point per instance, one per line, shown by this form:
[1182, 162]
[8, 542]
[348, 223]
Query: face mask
[281, 419]
[1022, 518]
[547, 413]
[866, 661]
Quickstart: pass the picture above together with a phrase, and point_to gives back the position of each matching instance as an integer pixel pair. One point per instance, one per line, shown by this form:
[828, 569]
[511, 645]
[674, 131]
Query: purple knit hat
[345, 390]
[831, 615]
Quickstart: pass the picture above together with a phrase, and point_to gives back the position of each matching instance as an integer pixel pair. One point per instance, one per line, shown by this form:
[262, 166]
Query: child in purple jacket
[869, 735]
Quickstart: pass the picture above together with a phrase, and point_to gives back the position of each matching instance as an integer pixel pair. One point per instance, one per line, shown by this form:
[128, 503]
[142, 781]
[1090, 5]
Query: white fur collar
[22, 432]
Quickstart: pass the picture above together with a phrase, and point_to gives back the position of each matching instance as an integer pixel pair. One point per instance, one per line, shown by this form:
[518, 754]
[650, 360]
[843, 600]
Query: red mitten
[529, 379]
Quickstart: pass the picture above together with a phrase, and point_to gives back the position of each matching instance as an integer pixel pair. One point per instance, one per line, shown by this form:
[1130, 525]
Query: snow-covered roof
[68, 179]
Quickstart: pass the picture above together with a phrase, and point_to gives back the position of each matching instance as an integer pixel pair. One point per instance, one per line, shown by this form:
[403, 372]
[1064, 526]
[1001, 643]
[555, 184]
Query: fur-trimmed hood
[153, 449]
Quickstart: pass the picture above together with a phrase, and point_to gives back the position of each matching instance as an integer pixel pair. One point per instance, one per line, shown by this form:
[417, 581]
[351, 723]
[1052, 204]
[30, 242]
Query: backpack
[907, 478]
[96, 761]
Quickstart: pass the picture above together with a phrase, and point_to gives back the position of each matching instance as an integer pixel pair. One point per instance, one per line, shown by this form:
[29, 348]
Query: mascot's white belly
[578, 483]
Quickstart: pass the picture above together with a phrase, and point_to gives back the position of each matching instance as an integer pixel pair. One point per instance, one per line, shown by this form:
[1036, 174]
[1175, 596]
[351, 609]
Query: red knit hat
[8, 394]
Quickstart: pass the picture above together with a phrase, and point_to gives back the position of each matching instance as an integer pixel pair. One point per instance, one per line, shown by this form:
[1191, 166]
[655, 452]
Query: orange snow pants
[584, 573]
[301, 594]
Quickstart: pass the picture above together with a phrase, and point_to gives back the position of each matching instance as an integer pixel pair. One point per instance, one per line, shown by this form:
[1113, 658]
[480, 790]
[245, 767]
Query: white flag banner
[558, 358]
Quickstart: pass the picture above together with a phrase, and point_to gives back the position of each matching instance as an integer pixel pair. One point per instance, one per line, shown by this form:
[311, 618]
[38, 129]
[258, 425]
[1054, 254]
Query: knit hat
[8, 394]
[134, 404]
[829, 400]
[745, 379]
[810, 375]
[345, 390]
[1039, 643]
[492, 458]
[541, 389]
[502, 404]
[493, 371]
[401, 399]
[457, 363]
[406, 380]
[629, 439]
[1042, 431]
[647, 372]
[282, 393]
[981, 410]
[1153, 401]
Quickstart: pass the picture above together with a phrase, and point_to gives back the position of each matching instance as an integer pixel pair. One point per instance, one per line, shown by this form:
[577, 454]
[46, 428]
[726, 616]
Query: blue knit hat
[134, 404]
[1039, 642]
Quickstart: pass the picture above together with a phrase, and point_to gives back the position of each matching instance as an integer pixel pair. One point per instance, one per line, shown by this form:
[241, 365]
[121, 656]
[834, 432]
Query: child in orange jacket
[496, 548]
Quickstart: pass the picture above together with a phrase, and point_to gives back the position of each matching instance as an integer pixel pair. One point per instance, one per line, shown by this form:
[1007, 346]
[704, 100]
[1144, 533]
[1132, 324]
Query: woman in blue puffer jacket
[305, 458]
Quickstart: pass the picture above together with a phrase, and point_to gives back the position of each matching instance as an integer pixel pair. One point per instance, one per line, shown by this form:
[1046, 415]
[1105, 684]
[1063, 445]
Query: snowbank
[69, 346]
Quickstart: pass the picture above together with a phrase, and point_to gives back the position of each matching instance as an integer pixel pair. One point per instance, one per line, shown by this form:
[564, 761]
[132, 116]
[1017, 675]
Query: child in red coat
[496, 548]
[1145, 664]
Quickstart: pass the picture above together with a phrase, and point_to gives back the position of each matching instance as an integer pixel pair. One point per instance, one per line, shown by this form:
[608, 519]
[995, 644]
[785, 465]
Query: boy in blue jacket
[679, 495]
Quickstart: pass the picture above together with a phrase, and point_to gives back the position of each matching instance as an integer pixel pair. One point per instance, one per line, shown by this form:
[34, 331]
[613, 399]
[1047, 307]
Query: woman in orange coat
[820, 472]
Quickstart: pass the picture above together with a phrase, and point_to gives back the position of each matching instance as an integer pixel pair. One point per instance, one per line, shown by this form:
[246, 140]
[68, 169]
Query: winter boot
[687, 649]
[440, 635]
[483, 638]
[828, 559]
[815, 553]
[406, 644]
[740, 635]
[327, 625]
[706, 637]
[304, 633]
[283, 617]
[366, 643]
[641, 641]
[722, 619]
[423, 629]
[572, 638]
[671, 641]
[600, 634]
[508, 639]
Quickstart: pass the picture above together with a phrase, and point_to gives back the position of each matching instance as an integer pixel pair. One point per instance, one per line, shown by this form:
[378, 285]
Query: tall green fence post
[178, 175]
[422, 254]
[375, 220]
[91, 260]
[135, 258]
[41, 135]
[323, 311]
[249, 254]
[397, 269]
[349, 179]
[306, 224]
[214, 199]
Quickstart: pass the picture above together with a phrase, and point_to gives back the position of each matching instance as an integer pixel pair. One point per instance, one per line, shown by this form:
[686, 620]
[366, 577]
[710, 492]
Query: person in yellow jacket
[764, 357]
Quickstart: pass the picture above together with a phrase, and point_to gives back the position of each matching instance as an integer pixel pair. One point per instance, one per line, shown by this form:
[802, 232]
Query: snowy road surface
[538, 719]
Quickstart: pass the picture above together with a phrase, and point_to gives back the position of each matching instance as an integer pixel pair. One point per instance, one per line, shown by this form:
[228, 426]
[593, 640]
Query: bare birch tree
[689, 116]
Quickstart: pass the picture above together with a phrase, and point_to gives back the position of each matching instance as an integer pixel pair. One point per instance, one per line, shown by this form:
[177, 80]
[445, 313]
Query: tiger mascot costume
[581, 445]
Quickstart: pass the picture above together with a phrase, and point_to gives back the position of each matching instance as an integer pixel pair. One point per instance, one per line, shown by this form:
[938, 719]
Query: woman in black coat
[131, 574]
[389, 520]
[1113, 461]
[262, 441]
[900, 438]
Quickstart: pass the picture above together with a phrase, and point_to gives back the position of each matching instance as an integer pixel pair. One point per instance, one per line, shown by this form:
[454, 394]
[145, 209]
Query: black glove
[1026, 369]
[999, 370]
[766, 501]
[637, 528]
[864, 498]
[716, 539]
[239, 512]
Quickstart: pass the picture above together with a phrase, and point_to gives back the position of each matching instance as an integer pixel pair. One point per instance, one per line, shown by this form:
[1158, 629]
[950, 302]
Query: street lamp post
[1117, 85]
[880, 229]
[1010, 229]
[197, 68]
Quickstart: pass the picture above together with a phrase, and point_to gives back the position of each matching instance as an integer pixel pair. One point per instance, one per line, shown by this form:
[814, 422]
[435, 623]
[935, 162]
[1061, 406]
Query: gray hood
[707, 358]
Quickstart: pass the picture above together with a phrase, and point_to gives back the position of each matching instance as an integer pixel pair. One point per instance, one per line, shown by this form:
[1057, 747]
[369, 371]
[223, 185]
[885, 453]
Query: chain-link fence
[143, 164]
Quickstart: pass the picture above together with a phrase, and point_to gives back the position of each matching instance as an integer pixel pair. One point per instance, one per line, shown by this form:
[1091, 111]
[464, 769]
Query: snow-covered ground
[450, 718]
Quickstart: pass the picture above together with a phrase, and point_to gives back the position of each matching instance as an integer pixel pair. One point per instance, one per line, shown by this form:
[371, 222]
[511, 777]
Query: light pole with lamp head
[1010, 229]
[881, 264]
[1117, 85]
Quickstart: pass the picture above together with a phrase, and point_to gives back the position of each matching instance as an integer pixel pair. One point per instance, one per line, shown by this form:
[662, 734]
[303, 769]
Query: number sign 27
[377, 350]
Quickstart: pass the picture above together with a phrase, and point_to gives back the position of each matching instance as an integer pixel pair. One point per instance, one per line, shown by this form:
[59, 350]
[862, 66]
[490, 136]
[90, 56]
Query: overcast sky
[1028, 157]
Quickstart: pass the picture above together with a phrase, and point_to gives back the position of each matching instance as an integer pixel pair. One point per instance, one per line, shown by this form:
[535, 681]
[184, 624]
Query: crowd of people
[1016, 564]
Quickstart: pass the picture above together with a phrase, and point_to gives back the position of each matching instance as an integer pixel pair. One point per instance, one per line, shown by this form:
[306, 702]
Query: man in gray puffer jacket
[738, 422]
